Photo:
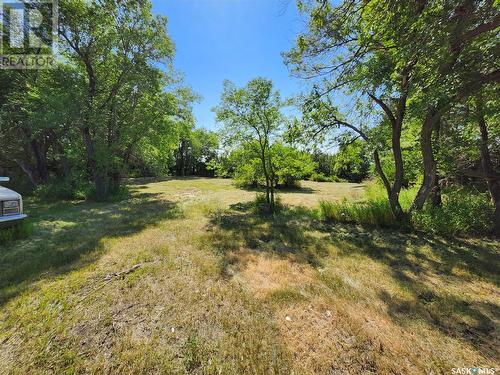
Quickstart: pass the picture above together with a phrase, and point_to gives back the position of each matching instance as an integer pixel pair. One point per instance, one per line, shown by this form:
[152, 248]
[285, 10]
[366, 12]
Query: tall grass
[374, 209]
[374, 191]
[371, 212]
[462, 211]
[17, 232]
[78, 189]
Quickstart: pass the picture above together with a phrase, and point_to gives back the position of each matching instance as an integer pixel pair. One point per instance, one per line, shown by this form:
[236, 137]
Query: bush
[78, 190]
[248, 174]
[462, 212]
[113, 194]
[291, 165]
[17, 232]
[320, 177]
[64, 190]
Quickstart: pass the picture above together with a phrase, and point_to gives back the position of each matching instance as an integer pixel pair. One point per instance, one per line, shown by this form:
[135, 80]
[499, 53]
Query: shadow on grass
[421, 264]
[68, 236]
[283, 234]
[417, 261]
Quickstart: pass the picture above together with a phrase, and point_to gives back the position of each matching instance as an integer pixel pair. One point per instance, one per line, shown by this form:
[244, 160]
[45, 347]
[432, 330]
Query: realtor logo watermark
[28, 30]
[474, 370]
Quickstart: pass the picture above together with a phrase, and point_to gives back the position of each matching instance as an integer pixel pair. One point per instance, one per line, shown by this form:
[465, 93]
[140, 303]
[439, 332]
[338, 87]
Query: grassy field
[185, 277]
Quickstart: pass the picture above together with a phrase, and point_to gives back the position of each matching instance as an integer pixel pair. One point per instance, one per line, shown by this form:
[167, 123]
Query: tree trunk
[27, 171]
[391, 194]
[181, 167]
[41, 160]
[396, 119]
[272, 202]
[39, 153]
[428, 160]
[99, 181]
[266, 172]
[100, 187]
[492, 178]
[399, 170]
[272, 179]
[436, 199]
[65, 168]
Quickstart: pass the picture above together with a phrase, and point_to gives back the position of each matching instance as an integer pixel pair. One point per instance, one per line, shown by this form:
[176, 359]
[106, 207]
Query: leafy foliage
[414, 71]
[351, 162]
[244, 165]
[112, 108]
[252, 116]
[462, 212]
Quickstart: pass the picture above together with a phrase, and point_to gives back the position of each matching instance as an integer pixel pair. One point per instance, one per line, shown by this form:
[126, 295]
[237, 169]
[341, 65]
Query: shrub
[67, 189]
[320, 177]
[248, 174]
[245, 165]
[462, 212]
[291, 165]
[17, 232]
[113, 194]
[352, 162]
[64, 190]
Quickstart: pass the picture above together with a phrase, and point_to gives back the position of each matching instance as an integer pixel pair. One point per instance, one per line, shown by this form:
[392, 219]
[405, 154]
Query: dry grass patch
[322, 341]
[269, 276]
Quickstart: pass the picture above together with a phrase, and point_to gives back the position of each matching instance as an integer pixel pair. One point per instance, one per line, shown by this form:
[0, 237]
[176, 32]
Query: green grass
[16, 232]
[186, 276]
[462, 212]
[372, 212]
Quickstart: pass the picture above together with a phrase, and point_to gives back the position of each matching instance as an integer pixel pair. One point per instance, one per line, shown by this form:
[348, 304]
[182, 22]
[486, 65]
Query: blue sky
[230, 39]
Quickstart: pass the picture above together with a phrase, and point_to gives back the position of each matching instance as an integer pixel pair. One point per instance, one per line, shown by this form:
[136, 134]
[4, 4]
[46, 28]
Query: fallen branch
[122, 273]
[108, 278]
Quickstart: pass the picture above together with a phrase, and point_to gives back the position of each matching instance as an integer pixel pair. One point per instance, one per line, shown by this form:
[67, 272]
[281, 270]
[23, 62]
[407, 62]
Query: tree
[106, 111]
[251, 116]
[197, 148]
[491, 175]
[345, 49]
[462, 38]
[116, 44]
[393, 53]
[291, 164]
[244, 165]
[351, 162]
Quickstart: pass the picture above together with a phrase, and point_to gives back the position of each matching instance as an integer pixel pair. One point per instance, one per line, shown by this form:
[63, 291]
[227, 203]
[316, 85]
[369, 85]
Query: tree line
[114, 106]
